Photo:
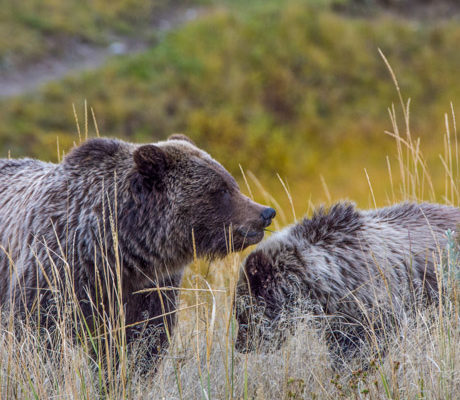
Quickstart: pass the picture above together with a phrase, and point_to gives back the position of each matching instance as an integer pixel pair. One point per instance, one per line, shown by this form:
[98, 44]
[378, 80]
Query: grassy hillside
[278, 87]
[33, 29]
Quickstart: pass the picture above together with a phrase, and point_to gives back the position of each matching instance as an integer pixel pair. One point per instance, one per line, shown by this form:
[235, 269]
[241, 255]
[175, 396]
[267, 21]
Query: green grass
[278, 87]
[33, 29]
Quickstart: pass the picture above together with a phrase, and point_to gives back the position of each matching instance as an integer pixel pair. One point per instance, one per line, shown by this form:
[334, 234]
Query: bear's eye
[222, 191]
[221, 196]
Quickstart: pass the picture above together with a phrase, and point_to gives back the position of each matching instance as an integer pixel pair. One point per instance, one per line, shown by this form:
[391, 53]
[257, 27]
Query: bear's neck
[150, 244]
[139, 239]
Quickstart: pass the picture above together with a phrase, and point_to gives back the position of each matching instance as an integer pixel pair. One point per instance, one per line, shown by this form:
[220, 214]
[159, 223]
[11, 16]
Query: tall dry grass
[423, 358]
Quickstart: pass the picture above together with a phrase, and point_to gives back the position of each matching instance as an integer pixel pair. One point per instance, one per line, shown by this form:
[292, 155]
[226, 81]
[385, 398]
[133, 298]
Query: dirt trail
[82, 57]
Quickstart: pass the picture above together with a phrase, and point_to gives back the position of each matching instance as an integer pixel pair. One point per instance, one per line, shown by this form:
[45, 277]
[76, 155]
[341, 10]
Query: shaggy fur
[165, 201]
[358, 269]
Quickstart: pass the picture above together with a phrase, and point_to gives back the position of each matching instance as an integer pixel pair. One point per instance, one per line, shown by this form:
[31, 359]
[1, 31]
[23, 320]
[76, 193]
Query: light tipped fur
[357, 270]
[113, 220]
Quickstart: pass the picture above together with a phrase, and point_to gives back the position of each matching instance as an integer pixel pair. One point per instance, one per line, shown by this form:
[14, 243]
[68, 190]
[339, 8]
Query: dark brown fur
[163, 200]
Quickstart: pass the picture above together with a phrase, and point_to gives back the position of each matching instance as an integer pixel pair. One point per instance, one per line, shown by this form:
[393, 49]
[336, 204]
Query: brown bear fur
[356, 270]
[165, 201]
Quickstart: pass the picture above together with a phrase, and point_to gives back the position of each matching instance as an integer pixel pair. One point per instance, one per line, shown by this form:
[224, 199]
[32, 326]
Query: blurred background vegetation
[295, 88]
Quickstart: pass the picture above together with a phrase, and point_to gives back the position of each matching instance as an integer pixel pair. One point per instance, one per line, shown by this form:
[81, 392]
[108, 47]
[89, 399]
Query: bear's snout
[267, 215]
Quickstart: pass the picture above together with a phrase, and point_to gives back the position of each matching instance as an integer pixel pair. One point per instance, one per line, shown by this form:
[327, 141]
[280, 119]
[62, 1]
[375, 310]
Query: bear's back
[414, 216]
[404, 242]
[23, 169]
[413, 228]
[18, 179]
[407, 241]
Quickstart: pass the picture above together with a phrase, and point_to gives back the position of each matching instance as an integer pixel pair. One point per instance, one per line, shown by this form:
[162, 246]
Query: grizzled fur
[358, 269]
[165, 201]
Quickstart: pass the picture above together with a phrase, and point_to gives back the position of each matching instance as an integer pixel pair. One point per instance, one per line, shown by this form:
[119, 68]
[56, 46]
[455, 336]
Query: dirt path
[82, 57]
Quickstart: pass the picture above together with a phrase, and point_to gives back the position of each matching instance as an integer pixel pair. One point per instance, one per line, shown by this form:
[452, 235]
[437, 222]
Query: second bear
[355, 269]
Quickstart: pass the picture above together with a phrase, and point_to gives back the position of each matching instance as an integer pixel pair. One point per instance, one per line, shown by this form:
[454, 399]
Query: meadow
[422, 360]
[302, 103]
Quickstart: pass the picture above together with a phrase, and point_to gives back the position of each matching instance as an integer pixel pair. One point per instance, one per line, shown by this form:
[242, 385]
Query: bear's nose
[267, 215]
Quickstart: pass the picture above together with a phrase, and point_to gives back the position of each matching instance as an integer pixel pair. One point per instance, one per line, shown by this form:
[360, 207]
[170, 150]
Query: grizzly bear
[356, 271]
[114, 219]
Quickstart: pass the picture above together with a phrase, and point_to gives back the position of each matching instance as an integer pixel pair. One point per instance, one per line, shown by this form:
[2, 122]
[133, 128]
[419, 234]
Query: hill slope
[276, 87]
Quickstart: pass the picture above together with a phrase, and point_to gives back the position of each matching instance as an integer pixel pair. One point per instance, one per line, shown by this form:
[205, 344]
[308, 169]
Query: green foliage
[35, 28]
[278, 87]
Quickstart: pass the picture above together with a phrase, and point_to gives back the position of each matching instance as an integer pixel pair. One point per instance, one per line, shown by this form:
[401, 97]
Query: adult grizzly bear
[115, 215]
[358, 269]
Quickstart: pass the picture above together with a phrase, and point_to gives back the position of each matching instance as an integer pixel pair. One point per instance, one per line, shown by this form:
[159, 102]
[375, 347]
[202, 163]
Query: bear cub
[357, 271]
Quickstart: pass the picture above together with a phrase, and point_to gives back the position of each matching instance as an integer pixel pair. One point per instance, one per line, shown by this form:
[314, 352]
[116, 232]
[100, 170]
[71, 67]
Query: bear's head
[269, 295]
[201, 200]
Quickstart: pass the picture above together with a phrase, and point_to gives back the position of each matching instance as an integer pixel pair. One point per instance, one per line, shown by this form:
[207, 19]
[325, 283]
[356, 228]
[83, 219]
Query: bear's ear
[180, 136]
[259, 272]
[151, 163]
